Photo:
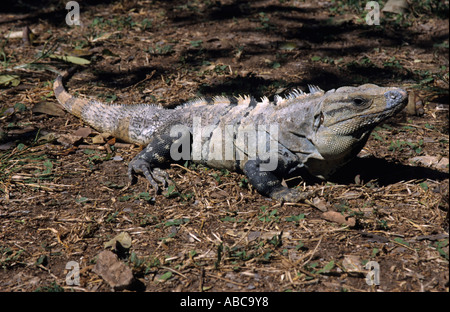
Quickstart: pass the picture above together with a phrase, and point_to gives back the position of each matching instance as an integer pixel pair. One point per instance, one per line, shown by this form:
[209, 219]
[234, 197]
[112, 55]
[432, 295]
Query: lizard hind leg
[268, 184]
[148, 161]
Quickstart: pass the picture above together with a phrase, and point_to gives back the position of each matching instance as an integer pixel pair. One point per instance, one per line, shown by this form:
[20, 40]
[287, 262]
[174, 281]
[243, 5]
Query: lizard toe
[153, 175]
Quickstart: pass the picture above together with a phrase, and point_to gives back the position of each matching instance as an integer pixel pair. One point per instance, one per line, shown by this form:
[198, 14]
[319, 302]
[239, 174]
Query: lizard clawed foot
[153, 175]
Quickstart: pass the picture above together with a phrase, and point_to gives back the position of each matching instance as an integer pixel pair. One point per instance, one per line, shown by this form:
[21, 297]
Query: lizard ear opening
[318, 120]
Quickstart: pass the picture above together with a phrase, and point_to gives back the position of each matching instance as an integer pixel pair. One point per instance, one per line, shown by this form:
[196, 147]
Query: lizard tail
[111, 118]
[72, 104]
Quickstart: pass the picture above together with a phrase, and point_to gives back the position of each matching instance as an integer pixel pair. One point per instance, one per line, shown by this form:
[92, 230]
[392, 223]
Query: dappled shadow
[384, 172]
[287, 23]
[379, 171]
[124, 79]
[32, 11]
[249, 85]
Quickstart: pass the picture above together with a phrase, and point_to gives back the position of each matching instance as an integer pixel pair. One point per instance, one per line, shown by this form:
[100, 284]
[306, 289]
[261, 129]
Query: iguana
[319, 131]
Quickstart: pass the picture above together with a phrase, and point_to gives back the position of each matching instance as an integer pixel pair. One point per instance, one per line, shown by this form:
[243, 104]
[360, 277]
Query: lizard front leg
[150, 159]
[268, 184]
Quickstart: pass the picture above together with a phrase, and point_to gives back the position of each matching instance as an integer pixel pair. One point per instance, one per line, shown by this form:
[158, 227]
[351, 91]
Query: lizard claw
[153, 175]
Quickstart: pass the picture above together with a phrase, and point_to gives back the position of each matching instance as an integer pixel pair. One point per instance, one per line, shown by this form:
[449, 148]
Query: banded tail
[70, 103]
[124, 122]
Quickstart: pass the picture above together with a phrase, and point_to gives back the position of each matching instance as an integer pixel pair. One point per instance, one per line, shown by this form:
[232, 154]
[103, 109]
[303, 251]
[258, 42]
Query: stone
[113, 271]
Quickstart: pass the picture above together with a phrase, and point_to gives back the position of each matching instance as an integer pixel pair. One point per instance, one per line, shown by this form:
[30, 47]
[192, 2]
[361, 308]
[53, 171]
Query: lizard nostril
[393, 97]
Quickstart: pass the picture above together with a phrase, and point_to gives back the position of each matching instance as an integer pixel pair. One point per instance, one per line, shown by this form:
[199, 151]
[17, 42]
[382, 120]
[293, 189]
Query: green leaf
[315, 58]
[171, 191]
[439, 247]
[276, 65]
[145, 195]
[6, 80]
[296, 218]
[42, 260]
[125, 198]
[374, 252]
[327, 267]
[21, 147]
[165, 276]
[81, 199]
[72, 59]
[48, 167]
[20, 107]
[299, 246]
[288, 46]
[401, 241]
[376, 136]
[424, 186]
[176, 222]
[196, 43]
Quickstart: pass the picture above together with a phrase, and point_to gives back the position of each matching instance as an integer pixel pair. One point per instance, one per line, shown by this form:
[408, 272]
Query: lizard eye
[359, 101]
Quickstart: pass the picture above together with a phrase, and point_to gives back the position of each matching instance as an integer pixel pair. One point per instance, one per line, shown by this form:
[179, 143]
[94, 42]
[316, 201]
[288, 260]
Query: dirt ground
[64, 191]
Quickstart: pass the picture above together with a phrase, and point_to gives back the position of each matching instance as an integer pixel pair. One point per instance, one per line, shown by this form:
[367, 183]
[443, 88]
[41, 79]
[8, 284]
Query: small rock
[395, 6]
[113, 271]
[319, 204]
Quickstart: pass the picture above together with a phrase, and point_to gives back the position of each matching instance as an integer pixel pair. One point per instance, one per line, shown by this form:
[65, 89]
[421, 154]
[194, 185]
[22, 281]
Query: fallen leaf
[352, 263]
[6, 80]
[430, 161]
[83, 132]
[104, 36]
[68, 139]
[14, 34]
[337, 217]
[47, 108]
[350, 195]
[71, 59]
[123, 239]
[7, 112]
[98, 139]
[288, 46]
[48, 137]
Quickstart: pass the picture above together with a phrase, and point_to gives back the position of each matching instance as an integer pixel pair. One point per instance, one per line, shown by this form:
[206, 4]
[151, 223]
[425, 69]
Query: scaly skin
[320, 131]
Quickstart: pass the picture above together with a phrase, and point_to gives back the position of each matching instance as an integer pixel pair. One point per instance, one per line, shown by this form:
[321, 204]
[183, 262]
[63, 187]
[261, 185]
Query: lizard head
[346, 118]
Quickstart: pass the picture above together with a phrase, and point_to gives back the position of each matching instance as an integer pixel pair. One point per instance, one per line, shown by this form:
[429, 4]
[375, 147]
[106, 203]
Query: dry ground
[63, 194]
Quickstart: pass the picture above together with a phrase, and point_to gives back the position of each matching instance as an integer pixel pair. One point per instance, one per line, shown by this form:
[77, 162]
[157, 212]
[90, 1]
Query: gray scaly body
[266, 140]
